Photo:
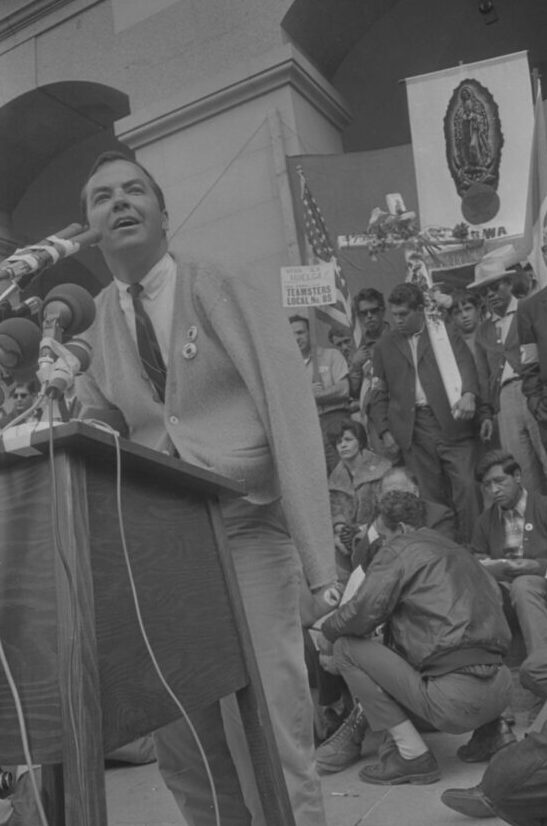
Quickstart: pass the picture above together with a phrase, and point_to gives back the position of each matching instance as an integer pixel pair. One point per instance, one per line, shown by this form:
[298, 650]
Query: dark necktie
[147, 343]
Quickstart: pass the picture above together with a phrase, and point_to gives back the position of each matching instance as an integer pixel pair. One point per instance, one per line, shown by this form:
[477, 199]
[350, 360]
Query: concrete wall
[216, 101]
[220, 155]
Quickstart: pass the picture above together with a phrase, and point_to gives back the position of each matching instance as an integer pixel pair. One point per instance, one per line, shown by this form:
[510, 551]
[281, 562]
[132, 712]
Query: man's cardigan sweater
[241, 407]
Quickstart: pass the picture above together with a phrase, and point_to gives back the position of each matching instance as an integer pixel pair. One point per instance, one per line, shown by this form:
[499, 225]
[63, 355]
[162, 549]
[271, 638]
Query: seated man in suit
[510, 540]
[447, 638]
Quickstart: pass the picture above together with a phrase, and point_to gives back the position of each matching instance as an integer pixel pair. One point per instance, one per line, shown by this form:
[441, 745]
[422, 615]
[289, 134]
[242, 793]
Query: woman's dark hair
[400, 506]
[507, 461]
[354, 427]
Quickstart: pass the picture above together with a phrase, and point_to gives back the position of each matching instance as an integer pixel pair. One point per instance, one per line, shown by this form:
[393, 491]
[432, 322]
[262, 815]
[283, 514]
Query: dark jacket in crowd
[532, 329]
[491, 355]
[444, 611]
[393, 397]
[489, 534]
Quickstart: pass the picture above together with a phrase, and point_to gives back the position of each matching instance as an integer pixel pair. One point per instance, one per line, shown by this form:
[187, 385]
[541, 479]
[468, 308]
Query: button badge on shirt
[190, 350]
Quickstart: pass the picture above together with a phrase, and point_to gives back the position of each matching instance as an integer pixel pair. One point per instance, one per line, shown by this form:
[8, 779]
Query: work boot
[469, 802]
[343, 748]
[392, 770]
[486, 741]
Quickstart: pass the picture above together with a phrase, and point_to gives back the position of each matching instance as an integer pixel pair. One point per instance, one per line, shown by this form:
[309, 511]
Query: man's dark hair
[399, 471]
[369, 294]
[507, 461]
[409, 294]
[110, 157]
[400, 506]
[354, 427]
[461, 297]
[295, 318]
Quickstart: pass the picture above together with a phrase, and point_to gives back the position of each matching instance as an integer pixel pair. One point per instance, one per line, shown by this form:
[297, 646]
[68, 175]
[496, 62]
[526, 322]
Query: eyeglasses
[369, 311]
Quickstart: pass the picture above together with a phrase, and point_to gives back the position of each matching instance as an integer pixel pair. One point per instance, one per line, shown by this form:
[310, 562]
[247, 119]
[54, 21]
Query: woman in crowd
[352, 488]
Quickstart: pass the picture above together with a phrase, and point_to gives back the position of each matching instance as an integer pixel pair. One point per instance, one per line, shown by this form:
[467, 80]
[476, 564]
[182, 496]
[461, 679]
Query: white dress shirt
[158, 300]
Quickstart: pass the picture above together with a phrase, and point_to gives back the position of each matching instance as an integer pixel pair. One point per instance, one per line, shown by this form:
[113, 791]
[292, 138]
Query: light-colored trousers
[388, 688]
[268, 573]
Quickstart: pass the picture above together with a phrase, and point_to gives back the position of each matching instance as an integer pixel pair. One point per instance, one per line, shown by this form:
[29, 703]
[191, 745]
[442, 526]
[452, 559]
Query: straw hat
[498, 263]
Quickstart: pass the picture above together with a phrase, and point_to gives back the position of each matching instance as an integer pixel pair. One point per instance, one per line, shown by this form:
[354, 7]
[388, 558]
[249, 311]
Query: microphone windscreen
[79, 303]
[82, 350]
[19, 343]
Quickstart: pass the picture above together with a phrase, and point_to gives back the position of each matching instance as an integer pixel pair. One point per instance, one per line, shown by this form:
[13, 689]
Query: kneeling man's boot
[392, 769]
[343, 748]
[486, 741]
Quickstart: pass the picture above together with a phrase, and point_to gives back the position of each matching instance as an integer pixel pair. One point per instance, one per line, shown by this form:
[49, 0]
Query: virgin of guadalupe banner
[471, 137]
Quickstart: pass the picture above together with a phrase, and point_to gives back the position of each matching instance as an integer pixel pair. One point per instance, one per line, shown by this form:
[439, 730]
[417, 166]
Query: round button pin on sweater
[528, 527]
[192, 333]
[189, 351]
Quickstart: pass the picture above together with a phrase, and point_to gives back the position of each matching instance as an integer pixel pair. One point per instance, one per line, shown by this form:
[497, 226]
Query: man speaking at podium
[202, 365]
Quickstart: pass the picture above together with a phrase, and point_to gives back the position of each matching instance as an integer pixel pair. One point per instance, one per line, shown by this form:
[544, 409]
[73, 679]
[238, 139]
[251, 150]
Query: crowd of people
[439, 515]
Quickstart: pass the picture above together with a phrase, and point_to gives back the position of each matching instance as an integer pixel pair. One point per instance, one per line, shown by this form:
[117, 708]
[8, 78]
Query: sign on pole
[308, 286]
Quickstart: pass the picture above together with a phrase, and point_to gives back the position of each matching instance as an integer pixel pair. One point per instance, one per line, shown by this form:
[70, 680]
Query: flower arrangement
[400, 228]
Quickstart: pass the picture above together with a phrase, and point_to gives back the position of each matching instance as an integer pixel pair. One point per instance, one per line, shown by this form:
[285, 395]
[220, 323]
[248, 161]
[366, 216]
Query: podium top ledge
[99, 444]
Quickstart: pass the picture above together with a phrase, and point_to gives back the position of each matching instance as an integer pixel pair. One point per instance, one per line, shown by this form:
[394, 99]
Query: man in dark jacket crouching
[447, 635]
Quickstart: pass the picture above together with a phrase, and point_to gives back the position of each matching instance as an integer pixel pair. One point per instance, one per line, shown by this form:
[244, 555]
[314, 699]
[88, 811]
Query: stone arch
[48, 139]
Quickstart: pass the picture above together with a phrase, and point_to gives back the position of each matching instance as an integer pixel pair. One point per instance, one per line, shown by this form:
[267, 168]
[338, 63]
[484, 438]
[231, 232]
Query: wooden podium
[69, 626]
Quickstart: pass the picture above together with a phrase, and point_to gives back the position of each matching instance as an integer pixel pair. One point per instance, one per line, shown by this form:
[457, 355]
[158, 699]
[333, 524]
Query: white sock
[408, 740]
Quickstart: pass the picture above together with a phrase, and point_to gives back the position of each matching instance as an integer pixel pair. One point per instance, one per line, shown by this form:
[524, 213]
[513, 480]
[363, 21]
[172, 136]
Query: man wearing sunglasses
[369, 307]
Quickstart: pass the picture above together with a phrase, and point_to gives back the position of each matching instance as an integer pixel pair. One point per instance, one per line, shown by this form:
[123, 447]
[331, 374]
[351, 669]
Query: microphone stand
[57, 409]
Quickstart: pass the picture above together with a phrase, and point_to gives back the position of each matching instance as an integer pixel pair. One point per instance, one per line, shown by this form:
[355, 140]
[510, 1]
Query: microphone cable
[73, 604]
[142, 628]
[23, 732]
[73, 598]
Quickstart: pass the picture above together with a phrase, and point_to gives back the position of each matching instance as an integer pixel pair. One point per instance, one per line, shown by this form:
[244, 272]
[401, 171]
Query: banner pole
[316, 377]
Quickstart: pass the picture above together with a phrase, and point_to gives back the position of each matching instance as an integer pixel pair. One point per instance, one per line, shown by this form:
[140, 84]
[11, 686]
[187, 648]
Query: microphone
[67, 310]
[25, 262]
[63, 373]
[19, 344]
[31, 306]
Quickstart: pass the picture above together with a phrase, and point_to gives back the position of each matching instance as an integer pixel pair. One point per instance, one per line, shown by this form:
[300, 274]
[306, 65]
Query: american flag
[320, 249]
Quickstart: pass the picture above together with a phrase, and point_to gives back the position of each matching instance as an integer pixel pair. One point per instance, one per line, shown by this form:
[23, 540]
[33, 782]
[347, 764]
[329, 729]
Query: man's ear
[165, 221]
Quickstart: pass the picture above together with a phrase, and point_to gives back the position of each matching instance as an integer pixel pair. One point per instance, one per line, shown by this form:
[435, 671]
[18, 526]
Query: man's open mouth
[127, 221]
